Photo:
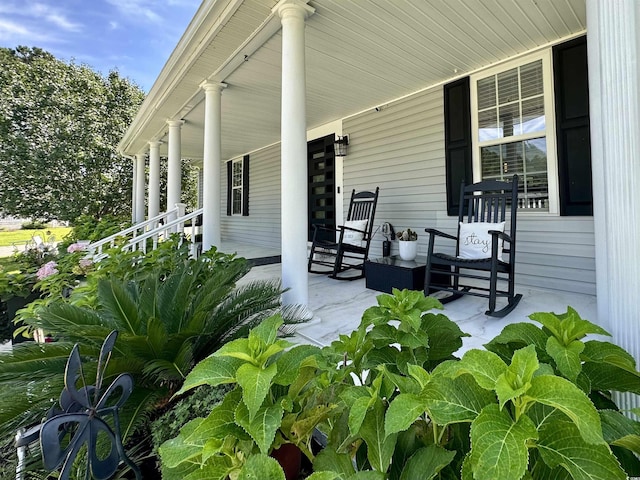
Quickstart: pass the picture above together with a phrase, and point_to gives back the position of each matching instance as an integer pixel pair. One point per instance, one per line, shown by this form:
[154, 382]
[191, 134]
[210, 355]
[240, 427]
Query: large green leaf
[220, 422]
[445, 336]
[604, 376]
[324, 476]
[402, 412]
[561, 444]
[560, 393]
[331, 461]
[263, 426]
[255, 383]
[606, 352]
[261, 467]
[455, 400]
[358, 412]
[179, 449]
[567, 326]
[485, 367]
[212, 371]
[210, 471]
[518, 335]
[426, 463]
[567, 357]
[516, 379]
[380, 445]
[289, 363]
[620, 430]
[499, 444]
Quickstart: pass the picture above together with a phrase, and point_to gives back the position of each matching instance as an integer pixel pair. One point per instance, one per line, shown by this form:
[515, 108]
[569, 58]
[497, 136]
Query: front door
[322, 185]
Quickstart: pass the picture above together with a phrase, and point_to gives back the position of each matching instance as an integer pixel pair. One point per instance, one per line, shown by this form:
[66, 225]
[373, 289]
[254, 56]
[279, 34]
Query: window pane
[487, 93]
[491, 161]
[508, 86]
[237, 174]
[536, 155]
[488, 125]
[510, 120]
[237, 201]
[512, 158]
[533, 119]
[531, 79]
[528, 159]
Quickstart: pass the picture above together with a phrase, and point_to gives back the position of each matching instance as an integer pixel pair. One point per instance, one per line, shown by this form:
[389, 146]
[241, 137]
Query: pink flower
[76, 247]
[46, 270]
[85, 263]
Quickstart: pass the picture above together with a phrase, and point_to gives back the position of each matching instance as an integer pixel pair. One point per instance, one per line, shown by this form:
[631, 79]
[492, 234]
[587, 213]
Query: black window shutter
[572, 127]
[457, 140]
[229, 186]
[245, 186]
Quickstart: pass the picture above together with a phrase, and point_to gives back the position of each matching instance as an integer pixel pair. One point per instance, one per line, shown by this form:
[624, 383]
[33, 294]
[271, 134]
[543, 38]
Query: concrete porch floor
[338, 306]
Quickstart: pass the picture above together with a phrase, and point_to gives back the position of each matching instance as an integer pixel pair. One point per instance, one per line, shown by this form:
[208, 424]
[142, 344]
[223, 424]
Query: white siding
[262, 226]
[400, 148]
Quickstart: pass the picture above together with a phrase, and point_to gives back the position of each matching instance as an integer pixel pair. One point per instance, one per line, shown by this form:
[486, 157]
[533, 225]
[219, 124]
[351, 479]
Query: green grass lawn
[20, 237]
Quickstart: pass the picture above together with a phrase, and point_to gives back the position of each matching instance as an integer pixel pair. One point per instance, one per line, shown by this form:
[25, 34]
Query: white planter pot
[408, 249]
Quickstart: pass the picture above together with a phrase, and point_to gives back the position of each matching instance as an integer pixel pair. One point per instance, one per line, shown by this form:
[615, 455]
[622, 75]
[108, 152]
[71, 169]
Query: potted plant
[271, 408]
[408, 244]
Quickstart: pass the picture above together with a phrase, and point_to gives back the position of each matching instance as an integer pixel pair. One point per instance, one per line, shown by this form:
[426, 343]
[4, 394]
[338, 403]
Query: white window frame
[237, 187]
[550, 122]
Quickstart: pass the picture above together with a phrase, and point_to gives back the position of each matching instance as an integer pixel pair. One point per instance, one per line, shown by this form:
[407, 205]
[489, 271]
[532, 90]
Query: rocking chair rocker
[351, 249]
[480, 246]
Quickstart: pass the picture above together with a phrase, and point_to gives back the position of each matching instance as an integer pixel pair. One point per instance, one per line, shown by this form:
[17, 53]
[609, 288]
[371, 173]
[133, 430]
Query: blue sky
[134, 37]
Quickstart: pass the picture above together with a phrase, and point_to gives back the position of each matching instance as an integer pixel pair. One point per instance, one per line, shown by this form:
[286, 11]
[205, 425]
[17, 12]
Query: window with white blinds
[513, 129]
[236, 186]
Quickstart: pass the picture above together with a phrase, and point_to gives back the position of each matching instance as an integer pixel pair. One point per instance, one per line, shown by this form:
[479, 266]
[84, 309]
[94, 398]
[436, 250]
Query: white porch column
[154, 179]
[614, 89]
[294, 152]
[134, 183]
[140, 178]
[211, 164]
[174, 167]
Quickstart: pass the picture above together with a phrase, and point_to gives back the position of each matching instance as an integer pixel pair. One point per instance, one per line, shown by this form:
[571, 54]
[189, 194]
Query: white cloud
[18, 33]
[62, 22]
[33, 14]
[137, 9]
[114, 25]
[10, 28]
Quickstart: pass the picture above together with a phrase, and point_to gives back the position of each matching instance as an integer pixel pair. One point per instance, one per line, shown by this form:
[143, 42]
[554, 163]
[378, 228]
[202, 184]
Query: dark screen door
[322, 185]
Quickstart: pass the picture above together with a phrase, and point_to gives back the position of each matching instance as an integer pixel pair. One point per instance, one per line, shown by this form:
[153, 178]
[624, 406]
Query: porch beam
[614, 90]
[294, 152]
[154, 179]
[211, 165]
[140, 187]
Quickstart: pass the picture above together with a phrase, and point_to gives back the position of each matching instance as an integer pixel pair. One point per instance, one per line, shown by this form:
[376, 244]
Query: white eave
[359, 54]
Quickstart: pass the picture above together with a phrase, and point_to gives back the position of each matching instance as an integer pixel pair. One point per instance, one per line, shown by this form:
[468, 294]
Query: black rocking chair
[480, 245]
[351, 249]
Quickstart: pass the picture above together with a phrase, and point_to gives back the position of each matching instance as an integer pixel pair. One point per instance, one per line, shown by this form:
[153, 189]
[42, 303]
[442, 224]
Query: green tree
[59, 127]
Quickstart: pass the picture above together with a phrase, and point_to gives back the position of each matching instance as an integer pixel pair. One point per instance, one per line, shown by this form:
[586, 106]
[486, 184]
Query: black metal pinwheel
[84, 420]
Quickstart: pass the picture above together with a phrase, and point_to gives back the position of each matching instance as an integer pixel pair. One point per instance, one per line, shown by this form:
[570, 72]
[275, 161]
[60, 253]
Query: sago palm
[166, 324]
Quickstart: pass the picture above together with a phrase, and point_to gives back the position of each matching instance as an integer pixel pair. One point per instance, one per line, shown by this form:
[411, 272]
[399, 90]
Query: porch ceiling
[360, 54]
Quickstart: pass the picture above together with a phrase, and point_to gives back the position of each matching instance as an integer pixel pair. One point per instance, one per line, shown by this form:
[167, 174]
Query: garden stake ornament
[83, 420]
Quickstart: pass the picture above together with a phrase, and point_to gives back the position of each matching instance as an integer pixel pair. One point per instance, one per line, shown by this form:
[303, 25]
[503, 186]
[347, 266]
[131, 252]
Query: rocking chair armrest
[438, 233]
[342, 228]
[501, 235]
[325, 228]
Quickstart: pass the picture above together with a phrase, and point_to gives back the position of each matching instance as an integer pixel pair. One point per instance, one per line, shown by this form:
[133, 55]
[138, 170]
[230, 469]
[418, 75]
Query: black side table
[385, 273]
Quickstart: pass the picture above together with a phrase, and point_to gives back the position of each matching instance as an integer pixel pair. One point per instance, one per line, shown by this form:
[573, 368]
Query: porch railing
[156, 228]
